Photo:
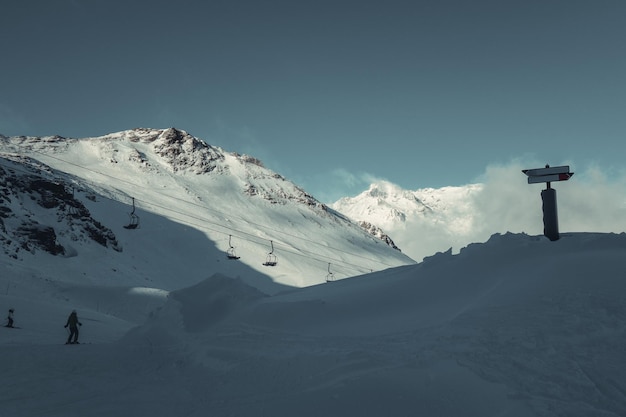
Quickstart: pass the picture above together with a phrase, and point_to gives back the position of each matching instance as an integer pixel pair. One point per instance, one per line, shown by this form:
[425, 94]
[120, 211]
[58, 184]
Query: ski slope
[515, 326]
[193, 201]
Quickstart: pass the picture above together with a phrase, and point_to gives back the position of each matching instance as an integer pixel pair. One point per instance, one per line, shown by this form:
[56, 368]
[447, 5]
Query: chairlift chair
[230, 253]
[71, 209]
[330, 277]
[271, 258]
[134, 219]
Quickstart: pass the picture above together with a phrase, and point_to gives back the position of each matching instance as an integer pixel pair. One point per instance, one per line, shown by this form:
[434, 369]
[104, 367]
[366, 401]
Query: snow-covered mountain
[72, 198]
[421, 222]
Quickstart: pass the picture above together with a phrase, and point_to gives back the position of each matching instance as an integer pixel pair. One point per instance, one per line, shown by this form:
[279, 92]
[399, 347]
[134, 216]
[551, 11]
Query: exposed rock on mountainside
[378, 232]
[183, 151]
[36, 210]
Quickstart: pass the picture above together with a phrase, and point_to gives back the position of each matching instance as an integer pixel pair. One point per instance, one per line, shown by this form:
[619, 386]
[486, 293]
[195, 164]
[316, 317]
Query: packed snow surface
[515, 326]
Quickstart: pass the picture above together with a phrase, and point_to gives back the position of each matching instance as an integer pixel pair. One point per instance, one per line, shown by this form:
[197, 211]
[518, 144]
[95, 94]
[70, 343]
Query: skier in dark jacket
[10, 318]
[73, 322]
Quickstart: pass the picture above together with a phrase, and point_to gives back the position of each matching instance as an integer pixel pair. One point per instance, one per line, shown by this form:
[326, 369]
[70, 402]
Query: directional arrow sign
[549, 178]
[547, 171]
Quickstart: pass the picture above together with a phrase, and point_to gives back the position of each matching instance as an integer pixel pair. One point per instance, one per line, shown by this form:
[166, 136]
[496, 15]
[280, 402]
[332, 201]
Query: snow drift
[517, 326]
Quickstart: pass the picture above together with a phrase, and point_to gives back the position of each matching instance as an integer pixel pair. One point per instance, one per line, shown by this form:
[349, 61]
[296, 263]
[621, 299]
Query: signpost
[549, 178]
[548, 196]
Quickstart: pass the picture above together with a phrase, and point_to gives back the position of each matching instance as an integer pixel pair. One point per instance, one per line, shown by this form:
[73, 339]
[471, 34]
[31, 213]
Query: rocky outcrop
[37, 206]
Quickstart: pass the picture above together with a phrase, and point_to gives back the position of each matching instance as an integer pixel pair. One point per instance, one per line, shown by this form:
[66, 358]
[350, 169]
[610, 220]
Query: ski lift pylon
[230, 253]
[271, 258]
[134, 219]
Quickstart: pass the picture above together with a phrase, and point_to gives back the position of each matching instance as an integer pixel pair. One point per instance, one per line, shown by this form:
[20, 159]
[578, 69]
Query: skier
[10, 318]
[73, 322]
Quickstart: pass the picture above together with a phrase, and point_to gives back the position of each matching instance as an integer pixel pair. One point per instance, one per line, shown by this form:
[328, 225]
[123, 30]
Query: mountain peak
[383, 189]
[178, 149]
[184, 151]
[439, 215]
[383, 204]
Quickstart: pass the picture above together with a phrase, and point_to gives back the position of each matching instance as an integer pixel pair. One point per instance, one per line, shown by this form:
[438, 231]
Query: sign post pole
[548, 196]
[550, 216]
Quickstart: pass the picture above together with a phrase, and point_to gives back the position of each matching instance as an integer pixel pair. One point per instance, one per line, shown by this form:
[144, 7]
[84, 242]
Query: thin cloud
[348, 179]
[594, 202]
[330, 186]
[344, 179]
[240, 139]
[12, 123]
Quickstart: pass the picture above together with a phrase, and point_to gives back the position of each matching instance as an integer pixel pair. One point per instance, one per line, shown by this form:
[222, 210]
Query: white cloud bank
[589, 202]
[502, 201]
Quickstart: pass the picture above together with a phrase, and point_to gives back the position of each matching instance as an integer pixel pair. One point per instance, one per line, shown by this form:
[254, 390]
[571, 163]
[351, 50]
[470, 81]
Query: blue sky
[331, 94]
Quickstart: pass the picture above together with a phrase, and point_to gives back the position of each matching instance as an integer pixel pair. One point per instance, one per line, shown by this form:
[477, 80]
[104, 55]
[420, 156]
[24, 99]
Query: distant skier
[73, 322]
[10, 318]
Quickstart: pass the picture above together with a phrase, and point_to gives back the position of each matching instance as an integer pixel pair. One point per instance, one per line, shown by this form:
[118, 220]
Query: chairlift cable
[253, 237]
[218, 212]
